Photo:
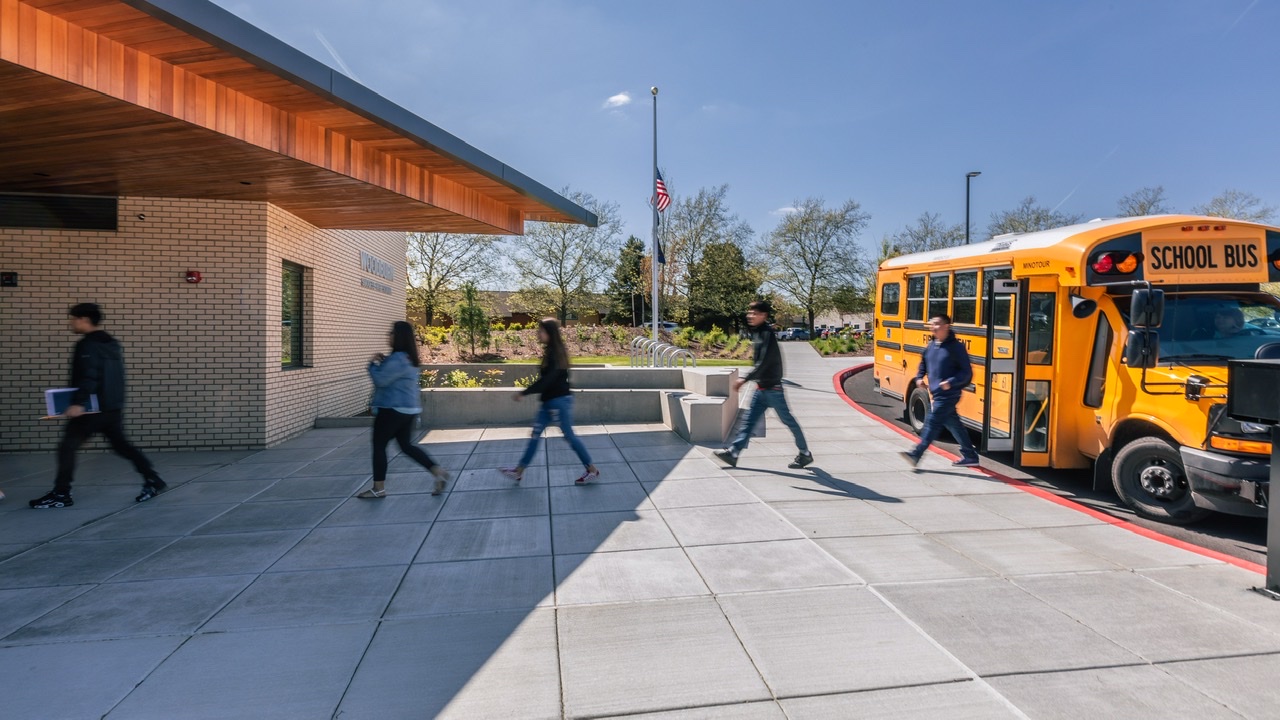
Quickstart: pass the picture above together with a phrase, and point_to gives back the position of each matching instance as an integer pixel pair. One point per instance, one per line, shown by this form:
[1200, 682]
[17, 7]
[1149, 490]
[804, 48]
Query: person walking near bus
[945, 369]
[552, 387]
[397, 404]
[767, 374]
[97, 369]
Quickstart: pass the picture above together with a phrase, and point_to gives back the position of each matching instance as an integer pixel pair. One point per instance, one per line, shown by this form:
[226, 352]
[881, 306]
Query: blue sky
[889, 103]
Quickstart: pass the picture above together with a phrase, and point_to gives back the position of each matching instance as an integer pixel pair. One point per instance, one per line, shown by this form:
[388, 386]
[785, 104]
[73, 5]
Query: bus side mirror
[1142, 350]
[1146, 308]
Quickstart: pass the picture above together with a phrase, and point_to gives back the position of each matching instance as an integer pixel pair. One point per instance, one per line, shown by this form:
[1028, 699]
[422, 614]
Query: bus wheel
[917, 408]
[1148, 477]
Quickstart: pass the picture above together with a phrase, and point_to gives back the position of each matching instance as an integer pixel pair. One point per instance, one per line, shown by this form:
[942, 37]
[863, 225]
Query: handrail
[646, 352]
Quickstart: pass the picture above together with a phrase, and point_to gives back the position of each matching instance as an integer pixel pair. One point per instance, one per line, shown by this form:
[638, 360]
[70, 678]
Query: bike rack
[650, 353]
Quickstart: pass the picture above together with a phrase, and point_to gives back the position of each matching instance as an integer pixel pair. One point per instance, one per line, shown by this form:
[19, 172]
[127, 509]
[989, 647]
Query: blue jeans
[942, 414]
[563, 407]
[761, 401]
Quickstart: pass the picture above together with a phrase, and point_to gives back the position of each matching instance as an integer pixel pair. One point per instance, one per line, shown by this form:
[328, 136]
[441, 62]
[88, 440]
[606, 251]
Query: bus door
[1037, 325]
[1000, 406]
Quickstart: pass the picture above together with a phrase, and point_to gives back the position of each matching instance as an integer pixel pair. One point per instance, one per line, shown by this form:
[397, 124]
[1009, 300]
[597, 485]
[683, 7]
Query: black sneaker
[913, 459]
[52, 499]
[801, 460]
[151, 488]
[729, 457]
[967, 462]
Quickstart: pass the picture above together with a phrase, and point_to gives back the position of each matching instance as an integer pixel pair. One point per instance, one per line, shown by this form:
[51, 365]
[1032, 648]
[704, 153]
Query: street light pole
[967, 179]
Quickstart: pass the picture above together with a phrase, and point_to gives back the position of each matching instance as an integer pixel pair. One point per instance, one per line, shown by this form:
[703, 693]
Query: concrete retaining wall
[454, 407]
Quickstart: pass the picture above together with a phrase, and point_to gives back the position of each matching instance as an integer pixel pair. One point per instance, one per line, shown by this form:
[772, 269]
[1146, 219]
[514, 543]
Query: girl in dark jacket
[552, 387]
[397, 402]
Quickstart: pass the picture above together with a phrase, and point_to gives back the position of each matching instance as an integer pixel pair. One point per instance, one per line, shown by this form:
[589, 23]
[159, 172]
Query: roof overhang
[179, 98]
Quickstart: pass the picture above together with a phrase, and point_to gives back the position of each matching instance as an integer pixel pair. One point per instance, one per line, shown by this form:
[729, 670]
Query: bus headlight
[1255, 428]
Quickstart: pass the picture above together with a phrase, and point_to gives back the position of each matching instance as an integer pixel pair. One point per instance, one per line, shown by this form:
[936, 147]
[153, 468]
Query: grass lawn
[626, 360]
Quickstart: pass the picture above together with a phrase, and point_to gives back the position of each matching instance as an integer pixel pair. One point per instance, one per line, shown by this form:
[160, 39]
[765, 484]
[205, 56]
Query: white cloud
[784, 210]
[617, 101]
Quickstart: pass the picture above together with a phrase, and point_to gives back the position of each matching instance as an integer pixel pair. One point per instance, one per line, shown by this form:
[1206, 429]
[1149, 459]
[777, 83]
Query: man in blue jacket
[944, 369]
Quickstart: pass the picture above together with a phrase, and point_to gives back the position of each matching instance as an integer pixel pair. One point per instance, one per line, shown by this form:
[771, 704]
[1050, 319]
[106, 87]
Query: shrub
[490, 378]
[460, 379]
[526, 381]
[715, 336]
[620, 335]
[499, 327]
[731, 345]
[428, 378]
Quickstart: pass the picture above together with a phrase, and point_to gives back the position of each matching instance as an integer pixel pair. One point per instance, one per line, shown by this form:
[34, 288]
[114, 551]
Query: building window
[939, 294]
[58, 212]
[891, 299]
[291, 316]
[964, 309]
[915, 298]
[1096, 383]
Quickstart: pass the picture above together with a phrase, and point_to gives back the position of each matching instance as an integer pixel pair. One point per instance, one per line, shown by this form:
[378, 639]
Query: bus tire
[917, 408]
[1148, 476]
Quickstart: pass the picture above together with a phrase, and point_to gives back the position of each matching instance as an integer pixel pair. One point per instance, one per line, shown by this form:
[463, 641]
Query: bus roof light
[1128, 265]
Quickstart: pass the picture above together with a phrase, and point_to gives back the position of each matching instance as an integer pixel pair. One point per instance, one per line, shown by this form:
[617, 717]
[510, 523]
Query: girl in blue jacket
[396, 404]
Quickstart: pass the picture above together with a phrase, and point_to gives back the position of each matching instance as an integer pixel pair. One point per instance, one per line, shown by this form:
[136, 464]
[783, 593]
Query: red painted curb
[1045, 494]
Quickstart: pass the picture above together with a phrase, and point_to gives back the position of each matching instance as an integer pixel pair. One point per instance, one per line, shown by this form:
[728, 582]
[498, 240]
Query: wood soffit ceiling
[101, 97]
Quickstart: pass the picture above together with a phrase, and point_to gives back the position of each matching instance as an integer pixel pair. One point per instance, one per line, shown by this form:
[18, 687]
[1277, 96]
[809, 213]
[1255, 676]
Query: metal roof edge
[228, 32]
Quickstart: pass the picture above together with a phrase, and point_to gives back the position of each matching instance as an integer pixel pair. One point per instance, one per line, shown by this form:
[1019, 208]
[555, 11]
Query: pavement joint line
[973, 675]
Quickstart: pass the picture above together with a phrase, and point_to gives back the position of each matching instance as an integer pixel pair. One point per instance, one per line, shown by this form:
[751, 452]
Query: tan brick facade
[203, 359]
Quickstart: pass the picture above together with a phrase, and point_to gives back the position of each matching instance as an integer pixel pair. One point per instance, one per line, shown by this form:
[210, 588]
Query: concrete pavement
[673, 588]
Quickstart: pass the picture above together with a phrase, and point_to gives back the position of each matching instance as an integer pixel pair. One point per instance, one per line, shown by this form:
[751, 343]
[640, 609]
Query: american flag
[660, 192]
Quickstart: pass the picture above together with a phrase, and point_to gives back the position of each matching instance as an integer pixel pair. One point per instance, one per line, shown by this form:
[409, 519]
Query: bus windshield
[1216, 327]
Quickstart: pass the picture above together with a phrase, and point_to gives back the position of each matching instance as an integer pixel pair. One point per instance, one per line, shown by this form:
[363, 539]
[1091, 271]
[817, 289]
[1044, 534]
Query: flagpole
[653, 187]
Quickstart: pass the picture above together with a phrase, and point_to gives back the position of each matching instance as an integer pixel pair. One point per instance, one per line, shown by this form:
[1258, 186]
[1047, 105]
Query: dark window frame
[957, 299]
[1002, 309]
[945, 309]
[916, 305]
[896, 307]
[295, 339]
[1034, 300]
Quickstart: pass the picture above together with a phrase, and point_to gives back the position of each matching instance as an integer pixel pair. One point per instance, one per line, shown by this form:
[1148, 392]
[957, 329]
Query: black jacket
[98, 369]
[767, 358]
[946, 361]
[552, 382]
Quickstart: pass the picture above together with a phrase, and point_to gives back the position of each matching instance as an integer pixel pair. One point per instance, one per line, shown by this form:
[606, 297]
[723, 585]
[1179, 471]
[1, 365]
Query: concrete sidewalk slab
[1021, 552]
[310, 597]
[726, 524]
[208, 555]
[353, 546]
[626, 576]
[611, 532]
[902, 558]
[75, 563]
[774, 565]
[460, 667]
[644, 657]
[822, 519]
[1140, 693]
[285, 673]
[486, 504]
[474, 586]
[486, 539]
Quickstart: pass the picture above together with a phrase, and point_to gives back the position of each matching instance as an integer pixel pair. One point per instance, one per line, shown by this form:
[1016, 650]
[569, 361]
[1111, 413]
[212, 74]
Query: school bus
[1064, 379]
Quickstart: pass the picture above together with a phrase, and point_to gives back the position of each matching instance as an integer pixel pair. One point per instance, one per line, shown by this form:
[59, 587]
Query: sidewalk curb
[841, 376]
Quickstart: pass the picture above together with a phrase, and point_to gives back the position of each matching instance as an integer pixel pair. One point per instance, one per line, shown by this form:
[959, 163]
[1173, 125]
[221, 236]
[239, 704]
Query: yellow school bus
[1046, 319]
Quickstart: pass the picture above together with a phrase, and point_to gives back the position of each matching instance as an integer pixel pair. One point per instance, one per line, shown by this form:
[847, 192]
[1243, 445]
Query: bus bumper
[1217, 482]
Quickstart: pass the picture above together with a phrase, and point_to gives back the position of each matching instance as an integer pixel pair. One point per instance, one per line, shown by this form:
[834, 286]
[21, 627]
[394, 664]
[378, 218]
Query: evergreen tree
[721, 286]
[626, 290]
[473, 321]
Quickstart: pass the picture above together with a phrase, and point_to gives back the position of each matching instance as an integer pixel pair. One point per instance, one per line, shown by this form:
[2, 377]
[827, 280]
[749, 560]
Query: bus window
[1095, 384]
[1002, 312]
[964, 308]
[1040, 328]
[939, 294]
[915, 298]
[1035, 434]
[891, 299]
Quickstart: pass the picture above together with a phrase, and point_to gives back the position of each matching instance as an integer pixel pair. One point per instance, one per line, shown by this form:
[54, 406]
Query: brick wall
[203, 359]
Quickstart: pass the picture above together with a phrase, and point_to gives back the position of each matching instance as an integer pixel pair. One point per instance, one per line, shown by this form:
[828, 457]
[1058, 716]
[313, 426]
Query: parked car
[1265, 322]
[799, 334]
[784, 334]
[666, 325]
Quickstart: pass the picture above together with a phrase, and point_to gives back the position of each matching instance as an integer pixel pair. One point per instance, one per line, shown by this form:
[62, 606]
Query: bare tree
[814, 251]
[693, 223]
[1029, 217]
[439, 264]
[927, 233]
[1237, 205]
[569, 260]
[1144, 201]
